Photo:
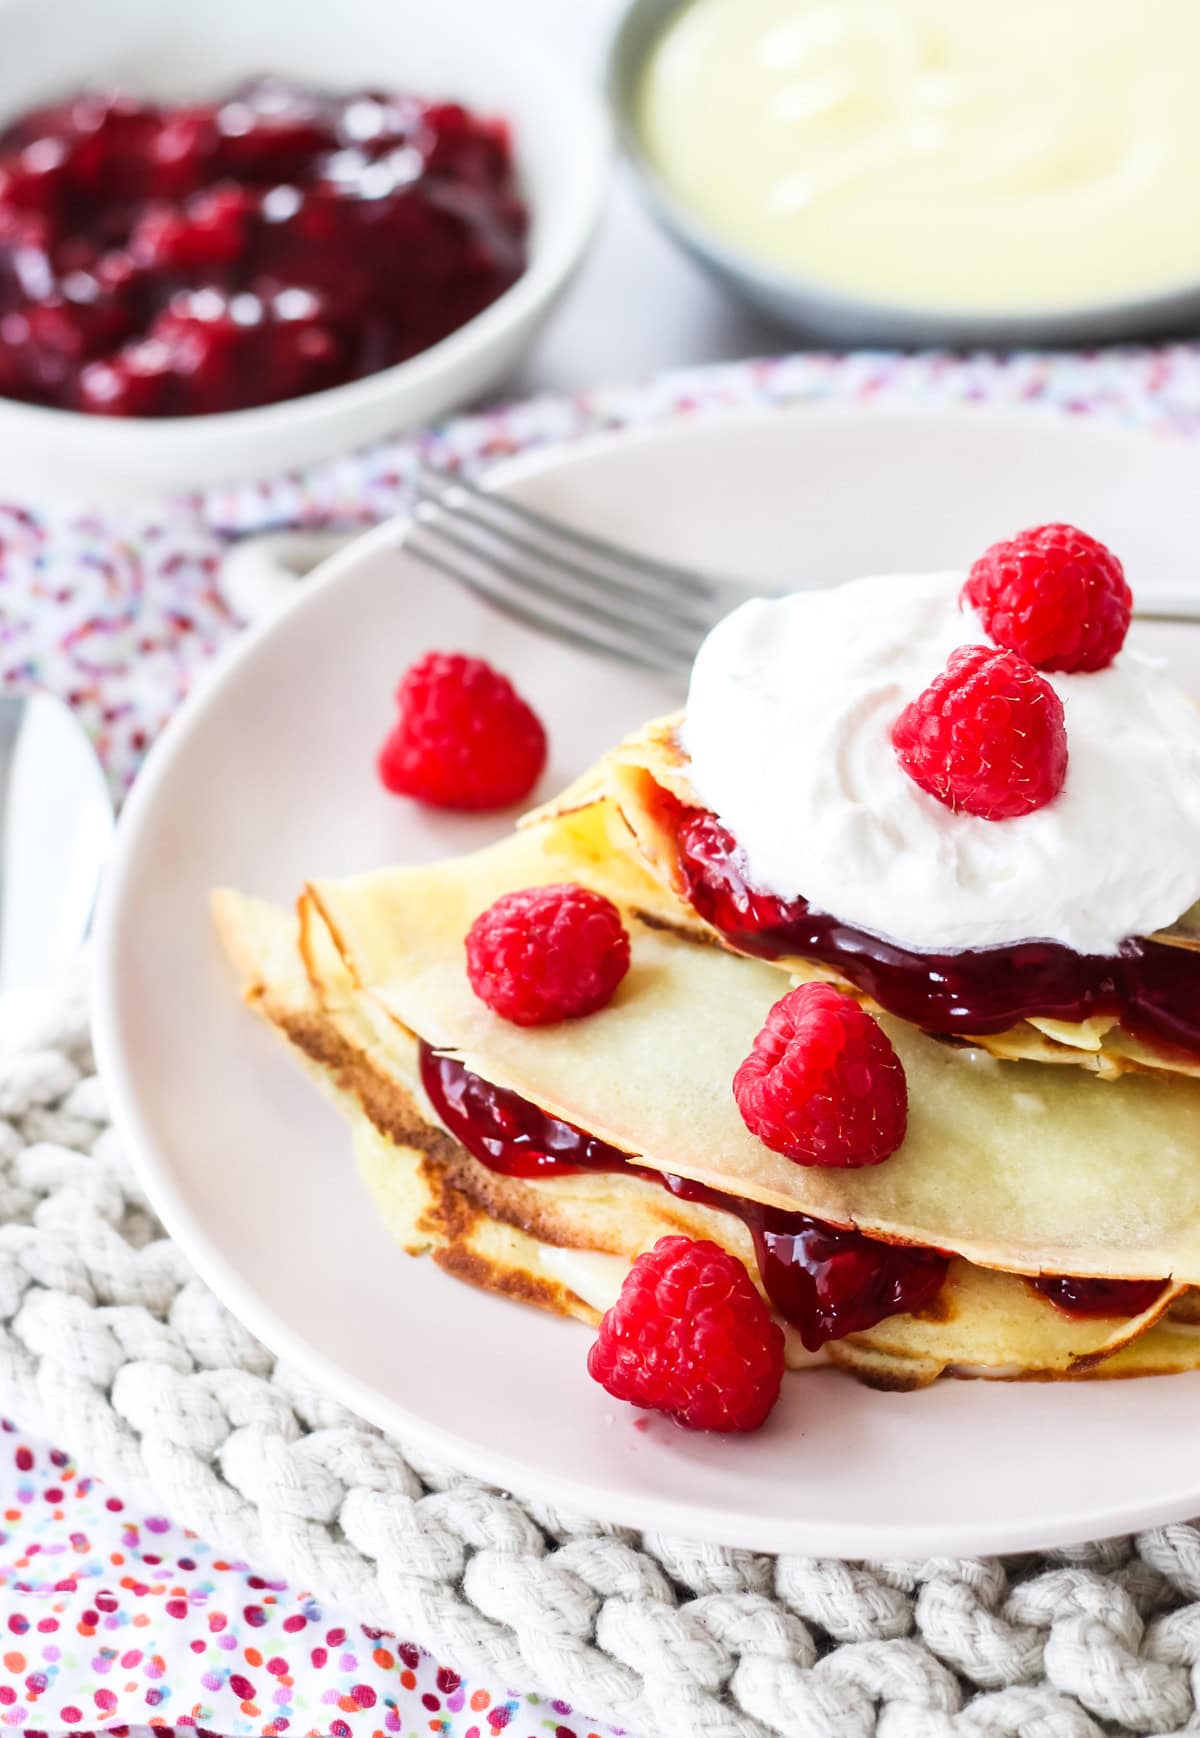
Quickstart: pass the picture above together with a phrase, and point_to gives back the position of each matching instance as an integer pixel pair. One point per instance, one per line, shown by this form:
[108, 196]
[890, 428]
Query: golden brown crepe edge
[483, 1229]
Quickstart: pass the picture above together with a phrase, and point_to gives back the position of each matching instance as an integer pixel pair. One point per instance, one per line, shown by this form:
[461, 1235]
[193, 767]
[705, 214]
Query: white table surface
[639, 305]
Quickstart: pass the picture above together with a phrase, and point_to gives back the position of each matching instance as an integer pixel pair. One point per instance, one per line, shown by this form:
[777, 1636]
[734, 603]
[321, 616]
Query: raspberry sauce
[507, 1133]
[825, 1281]
[1152, 988]
[1099, 1297]
[173, 261]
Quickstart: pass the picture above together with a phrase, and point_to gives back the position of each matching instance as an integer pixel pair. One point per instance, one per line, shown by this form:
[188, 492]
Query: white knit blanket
[112, 1346]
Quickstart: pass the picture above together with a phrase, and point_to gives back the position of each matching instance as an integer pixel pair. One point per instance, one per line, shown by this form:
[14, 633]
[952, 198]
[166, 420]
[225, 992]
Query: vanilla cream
[1030, 154]
[788, 728]
[593, 1276]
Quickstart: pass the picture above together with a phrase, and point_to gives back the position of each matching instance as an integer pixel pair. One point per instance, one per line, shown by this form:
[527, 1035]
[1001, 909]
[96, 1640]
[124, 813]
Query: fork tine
[678, 642]
[650, 600]
[681, 579]
[637, 653]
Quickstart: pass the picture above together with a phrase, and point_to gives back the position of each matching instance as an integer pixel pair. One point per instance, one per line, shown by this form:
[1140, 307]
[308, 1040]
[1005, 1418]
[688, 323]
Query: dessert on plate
[1063, 935]
[707, 1053]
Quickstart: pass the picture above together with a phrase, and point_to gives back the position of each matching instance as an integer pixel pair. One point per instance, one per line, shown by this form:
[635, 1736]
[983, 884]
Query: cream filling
[593, 1276]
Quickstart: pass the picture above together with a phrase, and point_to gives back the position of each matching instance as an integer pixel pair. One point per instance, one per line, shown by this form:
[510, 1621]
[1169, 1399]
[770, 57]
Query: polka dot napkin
[110, 1619]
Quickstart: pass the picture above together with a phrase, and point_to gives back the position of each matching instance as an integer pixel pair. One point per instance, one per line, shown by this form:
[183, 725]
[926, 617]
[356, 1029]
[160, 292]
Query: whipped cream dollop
[788, 727]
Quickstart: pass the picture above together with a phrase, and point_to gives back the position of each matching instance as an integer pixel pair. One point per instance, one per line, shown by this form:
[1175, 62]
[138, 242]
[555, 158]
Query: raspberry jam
[1152, 988]
[825, 1281]
[172, 261]
[1099, 1297]
[507, 1133]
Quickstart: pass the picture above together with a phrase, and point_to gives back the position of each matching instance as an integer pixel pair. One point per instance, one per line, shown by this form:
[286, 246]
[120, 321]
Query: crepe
[565, 1244]
[1014, 1166]
[636, 775]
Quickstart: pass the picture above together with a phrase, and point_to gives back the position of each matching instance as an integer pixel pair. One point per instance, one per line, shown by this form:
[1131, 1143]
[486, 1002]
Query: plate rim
[650, 1513]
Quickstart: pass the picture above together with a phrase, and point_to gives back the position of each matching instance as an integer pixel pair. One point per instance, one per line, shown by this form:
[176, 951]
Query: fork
[577, 587]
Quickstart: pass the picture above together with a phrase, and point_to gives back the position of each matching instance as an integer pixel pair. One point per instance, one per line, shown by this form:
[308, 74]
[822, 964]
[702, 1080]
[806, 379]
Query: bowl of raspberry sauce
[240, 237]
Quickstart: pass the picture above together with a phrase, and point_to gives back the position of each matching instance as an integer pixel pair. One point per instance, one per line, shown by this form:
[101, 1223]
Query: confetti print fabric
[122, 1623]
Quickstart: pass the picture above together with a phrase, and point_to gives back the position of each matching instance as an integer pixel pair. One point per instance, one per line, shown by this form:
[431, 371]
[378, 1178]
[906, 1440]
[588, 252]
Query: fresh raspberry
[546, 954]
[822, 1084]
[691, 1337]
[987, 736]
[465, 739]
[1055, 595]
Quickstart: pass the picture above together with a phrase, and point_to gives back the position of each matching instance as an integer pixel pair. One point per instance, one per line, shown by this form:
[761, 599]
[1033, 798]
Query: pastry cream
[1026, 155]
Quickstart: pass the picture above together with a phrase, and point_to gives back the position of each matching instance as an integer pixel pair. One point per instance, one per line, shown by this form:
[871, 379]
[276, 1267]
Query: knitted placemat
[111, 1345]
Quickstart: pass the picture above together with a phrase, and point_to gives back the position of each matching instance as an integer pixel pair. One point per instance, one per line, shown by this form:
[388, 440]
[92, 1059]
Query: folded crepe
[1011, 1169]
[646, 778]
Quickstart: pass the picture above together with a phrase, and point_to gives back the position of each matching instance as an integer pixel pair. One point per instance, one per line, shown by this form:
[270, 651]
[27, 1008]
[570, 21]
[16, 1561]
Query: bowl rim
[551, 260]
[636, 28]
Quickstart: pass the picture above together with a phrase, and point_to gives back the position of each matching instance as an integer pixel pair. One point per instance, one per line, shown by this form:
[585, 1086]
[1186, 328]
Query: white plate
[267, 778]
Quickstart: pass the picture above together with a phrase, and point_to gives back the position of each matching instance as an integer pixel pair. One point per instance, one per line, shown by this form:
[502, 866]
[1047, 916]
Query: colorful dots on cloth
[151, 1631]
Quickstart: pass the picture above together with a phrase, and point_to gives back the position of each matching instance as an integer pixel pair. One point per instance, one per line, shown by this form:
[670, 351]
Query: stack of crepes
[1042, 1216]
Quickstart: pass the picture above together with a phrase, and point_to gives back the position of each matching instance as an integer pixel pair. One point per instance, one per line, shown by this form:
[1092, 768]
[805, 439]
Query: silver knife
[56, 828]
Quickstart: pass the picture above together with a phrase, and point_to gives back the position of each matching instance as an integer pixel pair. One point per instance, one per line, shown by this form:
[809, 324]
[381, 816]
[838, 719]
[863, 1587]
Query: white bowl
[178, 49]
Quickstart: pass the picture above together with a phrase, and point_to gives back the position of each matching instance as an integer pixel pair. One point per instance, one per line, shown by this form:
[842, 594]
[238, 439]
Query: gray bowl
[818, 313]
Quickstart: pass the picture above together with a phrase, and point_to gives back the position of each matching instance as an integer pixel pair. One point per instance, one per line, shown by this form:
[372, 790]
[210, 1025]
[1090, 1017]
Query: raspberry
[546, 954]
[822, 1084]
[690, 1336]
[465, 739]
[987, 736]
[1055, 595]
